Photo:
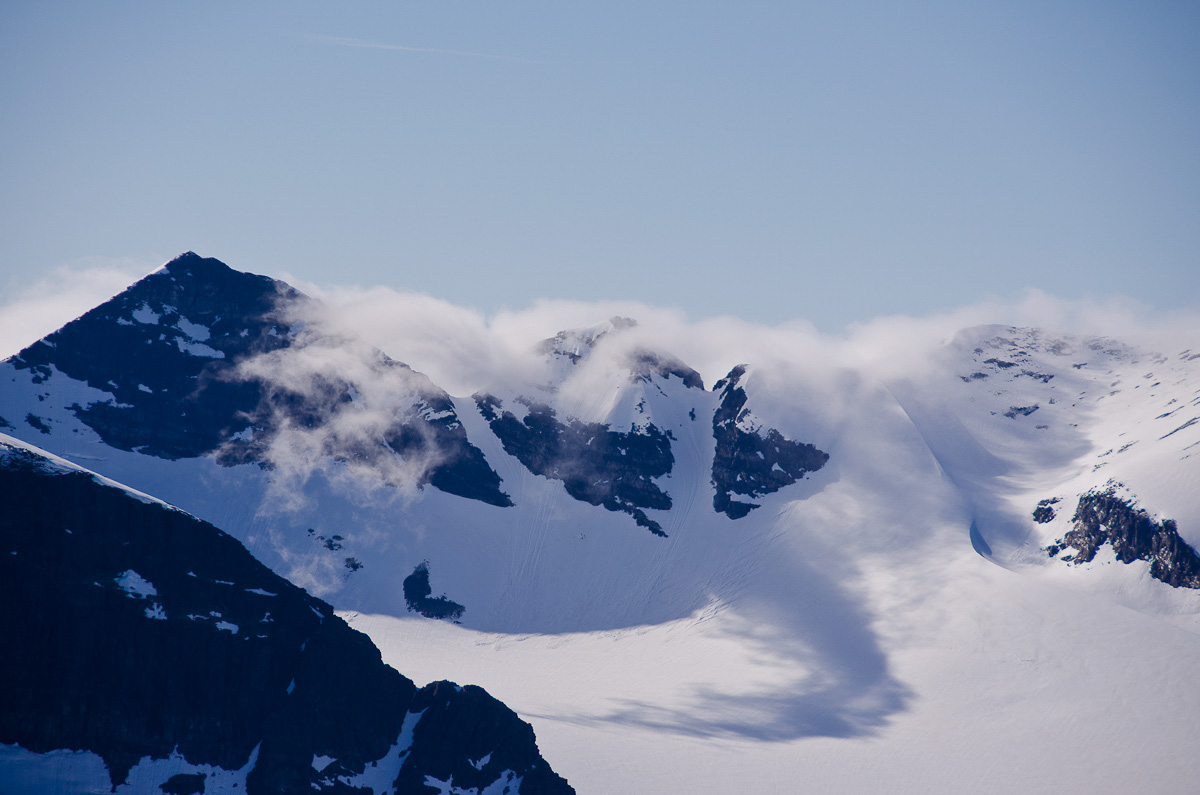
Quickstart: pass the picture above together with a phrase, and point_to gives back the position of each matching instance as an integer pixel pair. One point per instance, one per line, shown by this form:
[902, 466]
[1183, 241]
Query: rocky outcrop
[1044, 512]
[419, 599]
[1103, 517]
[135, 631]
[596, 464]
[750, 460]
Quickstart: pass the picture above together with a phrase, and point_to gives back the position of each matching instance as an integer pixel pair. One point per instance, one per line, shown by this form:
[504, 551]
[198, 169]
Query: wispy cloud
[345, 41]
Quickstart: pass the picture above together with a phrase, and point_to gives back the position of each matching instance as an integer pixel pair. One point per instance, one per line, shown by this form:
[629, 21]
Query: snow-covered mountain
[811, 570]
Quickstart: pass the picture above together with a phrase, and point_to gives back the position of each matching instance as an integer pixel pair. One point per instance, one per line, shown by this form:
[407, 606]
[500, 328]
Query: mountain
[319, 451]
[820, 569]
[157, 649]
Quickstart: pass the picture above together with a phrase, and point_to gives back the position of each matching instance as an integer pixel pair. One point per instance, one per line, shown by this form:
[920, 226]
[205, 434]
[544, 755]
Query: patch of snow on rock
[134, 584]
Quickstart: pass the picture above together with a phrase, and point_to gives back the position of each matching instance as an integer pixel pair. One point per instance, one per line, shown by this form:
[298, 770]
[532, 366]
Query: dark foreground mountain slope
[133, 630]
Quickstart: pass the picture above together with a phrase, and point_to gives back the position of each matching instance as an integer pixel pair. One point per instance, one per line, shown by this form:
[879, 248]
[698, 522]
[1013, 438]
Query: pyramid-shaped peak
[191, 265]
[191, 271]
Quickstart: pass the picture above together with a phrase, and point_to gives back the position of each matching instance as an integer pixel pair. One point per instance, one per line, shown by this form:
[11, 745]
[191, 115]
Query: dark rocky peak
[163, 348]
[136, 632]
[752, 460]
[192, 309]
[206, 283]
[175, 350]
[1104, 516]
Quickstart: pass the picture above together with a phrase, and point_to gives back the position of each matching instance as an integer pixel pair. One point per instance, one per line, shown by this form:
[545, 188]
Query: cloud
[345, 41]
[34, 310]
[464, 351]
[334, 406]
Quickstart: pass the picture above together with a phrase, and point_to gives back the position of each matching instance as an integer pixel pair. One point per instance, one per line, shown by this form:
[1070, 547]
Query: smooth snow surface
[1005, 685]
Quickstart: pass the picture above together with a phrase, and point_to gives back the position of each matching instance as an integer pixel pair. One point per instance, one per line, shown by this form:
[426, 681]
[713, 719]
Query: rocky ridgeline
[169, 350]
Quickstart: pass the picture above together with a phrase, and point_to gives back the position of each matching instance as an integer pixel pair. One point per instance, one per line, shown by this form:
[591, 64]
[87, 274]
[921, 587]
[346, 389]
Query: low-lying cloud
[464, 351]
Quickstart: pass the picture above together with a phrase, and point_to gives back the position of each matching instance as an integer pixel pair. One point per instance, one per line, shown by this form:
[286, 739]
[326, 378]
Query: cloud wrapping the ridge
[464, 351]
[807, 377]
[333, 404]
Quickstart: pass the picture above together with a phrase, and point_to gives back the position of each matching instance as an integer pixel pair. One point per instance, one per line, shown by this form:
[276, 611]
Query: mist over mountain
[726, 555]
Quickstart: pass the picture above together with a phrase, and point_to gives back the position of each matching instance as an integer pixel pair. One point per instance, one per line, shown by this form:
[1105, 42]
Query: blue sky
[826, 161]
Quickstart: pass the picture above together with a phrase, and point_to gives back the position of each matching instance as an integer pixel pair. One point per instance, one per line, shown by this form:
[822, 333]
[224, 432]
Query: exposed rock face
[596, 465]
[1102, 517]
[751, 461]
[169, 348]
[133, 630]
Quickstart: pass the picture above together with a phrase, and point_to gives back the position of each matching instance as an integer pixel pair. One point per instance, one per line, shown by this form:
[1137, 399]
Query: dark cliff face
[1104, 518]
[596, 465]
[749, 462]
[133, 630]
[169, 348]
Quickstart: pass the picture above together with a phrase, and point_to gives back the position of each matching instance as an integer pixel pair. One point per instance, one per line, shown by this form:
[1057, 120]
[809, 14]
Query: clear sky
[828, 161]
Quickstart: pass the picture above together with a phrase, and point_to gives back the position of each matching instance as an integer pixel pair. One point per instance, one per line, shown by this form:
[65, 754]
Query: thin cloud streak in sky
[346, 41]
